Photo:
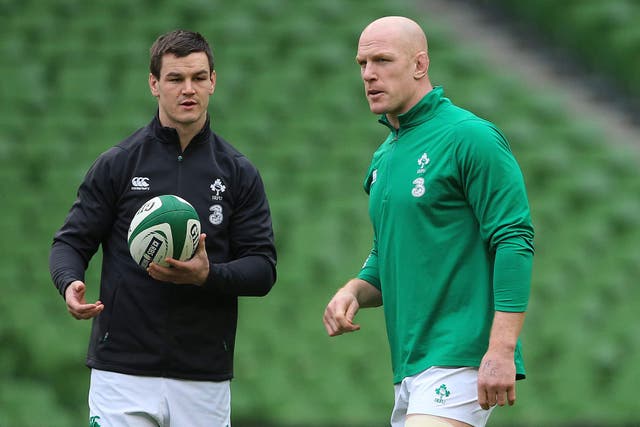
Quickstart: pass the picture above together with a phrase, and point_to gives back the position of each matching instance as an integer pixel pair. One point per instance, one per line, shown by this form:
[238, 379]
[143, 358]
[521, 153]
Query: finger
[491, 398]
[174, 263]
[86, 311]
[160, 272]
[511, 395]
[345, 324]
[330, 327]
[501, 398]
[329, 322]
[483, 400]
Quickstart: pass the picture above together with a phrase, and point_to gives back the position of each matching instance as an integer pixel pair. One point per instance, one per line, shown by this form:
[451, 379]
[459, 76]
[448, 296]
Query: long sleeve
[88, 221]
[369, 271]
[252, 271]
[495, 189]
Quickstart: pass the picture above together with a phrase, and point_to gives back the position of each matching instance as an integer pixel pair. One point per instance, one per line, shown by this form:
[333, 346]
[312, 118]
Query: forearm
[65, 265]
[249, 276]
[497, 372]
[366, 294]
[505, 330]
[512, 275]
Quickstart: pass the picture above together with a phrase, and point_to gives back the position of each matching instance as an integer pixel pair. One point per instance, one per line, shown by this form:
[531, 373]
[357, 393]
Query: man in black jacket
[162, 340]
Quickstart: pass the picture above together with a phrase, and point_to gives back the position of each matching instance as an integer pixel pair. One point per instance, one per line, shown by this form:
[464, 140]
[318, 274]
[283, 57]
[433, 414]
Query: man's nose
[188, 87]
[368, 72]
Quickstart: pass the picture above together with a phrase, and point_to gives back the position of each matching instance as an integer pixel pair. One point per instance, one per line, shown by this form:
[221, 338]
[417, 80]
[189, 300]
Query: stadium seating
[289, 96]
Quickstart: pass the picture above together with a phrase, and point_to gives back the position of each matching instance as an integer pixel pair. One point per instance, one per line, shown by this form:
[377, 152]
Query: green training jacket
[453, 238]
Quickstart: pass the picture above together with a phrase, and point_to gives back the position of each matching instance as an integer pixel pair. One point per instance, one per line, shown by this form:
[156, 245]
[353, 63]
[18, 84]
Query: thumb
[76, 287]
[74, 294]
[352, 309]
[201, 246]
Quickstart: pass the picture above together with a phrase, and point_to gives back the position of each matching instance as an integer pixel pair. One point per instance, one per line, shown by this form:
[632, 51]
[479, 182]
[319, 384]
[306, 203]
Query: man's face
[387, 73]
[183, 90]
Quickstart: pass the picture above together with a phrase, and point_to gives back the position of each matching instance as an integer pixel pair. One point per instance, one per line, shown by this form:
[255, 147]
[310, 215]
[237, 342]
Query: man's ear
[213, 82]
[422, 65]
[153, 85]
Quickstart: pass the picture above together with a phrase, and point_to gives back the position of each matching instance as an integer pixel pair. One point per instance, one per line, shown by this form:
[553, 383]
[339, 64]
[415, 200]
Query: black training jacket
[162, 329]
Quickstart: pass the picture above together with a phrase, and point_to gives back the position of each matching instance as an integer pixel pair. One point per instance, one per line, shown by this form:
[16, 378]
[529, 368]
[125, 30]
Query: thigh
[448, 393]
[199, 403]
[123, 400]
[432, 421]
[399, 412]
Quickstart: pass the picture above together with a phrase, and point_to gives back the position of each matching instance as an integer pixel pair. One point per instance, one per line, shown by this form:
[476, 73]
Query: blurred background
[559, 78]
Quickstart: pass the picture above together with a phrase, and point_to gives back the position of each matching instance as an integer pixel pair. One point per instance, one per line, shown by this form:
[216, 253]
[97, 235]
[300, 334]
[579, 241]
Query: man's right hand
[76, 304]
[339, 314]
[341, 310]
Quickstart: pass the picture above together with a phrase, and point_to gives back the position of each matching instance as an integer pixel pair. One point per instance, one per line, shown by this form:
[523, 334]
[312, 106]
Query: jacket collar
[170, 135]
[425, 109]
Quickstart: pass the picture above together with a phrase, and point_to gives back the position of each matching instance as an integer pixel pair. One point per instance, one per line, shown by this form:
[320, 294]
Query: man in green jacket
[453, 242]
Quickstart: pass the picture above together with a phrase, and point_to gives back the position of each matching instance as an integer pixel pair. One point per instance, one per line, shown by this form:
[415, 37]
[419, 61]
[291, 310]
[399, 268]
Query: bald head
[403, 33]
[394, 63]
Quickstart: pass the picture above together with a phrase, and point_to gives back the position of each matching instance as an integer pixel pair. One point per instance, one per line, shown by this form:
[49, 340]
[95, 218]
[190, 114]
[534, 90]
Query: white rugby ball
[164, 227]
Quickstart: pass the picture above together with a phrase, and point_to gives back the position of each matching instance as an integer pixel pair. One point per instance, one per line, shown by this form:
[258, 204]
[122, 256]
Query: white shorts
[117, 400]
[441, 392]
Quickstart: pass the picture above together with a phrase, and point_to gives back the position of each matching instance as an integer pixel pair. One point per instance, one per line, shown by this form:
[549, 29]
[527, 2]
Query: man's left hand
[192, 272]
[496, 379]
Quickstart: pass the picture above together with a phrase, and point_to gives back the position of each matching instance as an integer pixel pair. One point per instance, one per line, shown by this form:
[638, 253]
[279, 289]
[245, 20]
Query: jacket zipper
[180, 159]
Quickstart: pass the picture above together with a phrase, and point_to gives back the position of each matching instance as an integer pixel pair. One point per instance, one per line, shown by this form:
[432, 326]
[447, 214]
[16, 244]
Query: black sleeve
[252, 275]
[89, 220]
[66, 265]
[252, 272]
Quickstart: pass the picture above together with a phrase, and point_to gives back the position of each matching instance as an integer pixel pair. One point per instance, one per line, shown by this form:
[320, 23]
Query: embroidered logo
[93, 421]
[422, 162]
[441, 394]
[218, 187]
[216, 216]
[140, 183]
[418, 189]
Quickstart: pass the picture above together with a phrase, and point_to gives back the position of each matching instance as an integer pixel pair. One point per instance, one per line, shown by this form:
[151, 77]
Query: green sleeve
[512, 276]
[369, 271]
[494, 186]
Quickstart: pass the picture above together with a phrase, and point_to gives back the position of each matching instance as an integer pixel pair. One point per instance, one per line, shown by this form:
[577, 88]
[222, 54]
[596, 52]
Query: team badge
[218, 187]
[422, 162]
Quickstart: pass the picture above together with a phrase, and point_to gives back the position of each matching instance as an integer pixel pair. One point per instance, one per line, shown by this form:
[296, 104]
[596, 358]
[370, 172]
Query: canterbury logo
[140, 183]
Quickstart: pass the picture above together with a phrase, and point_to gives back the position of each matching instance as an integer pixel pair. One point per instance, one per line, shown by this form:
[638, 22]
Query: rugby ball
[164, 227]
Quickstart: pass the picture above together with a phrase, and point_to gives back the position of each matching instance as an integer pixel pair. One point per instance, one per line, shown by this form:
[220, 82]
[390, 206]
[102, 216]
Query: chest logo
[418, 189]
[217, 187]
[140, 183]
[422, 162]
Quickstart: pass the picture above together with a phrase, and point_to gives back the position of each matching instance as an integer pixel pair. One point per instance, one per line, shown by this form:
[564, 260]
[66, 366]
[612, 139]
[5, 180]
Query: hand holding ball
[164, 227]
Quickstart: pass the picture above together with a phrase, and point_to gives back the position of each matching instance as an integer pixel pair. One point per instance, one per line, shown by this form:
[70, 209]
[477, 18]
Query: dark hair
[180, 43]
